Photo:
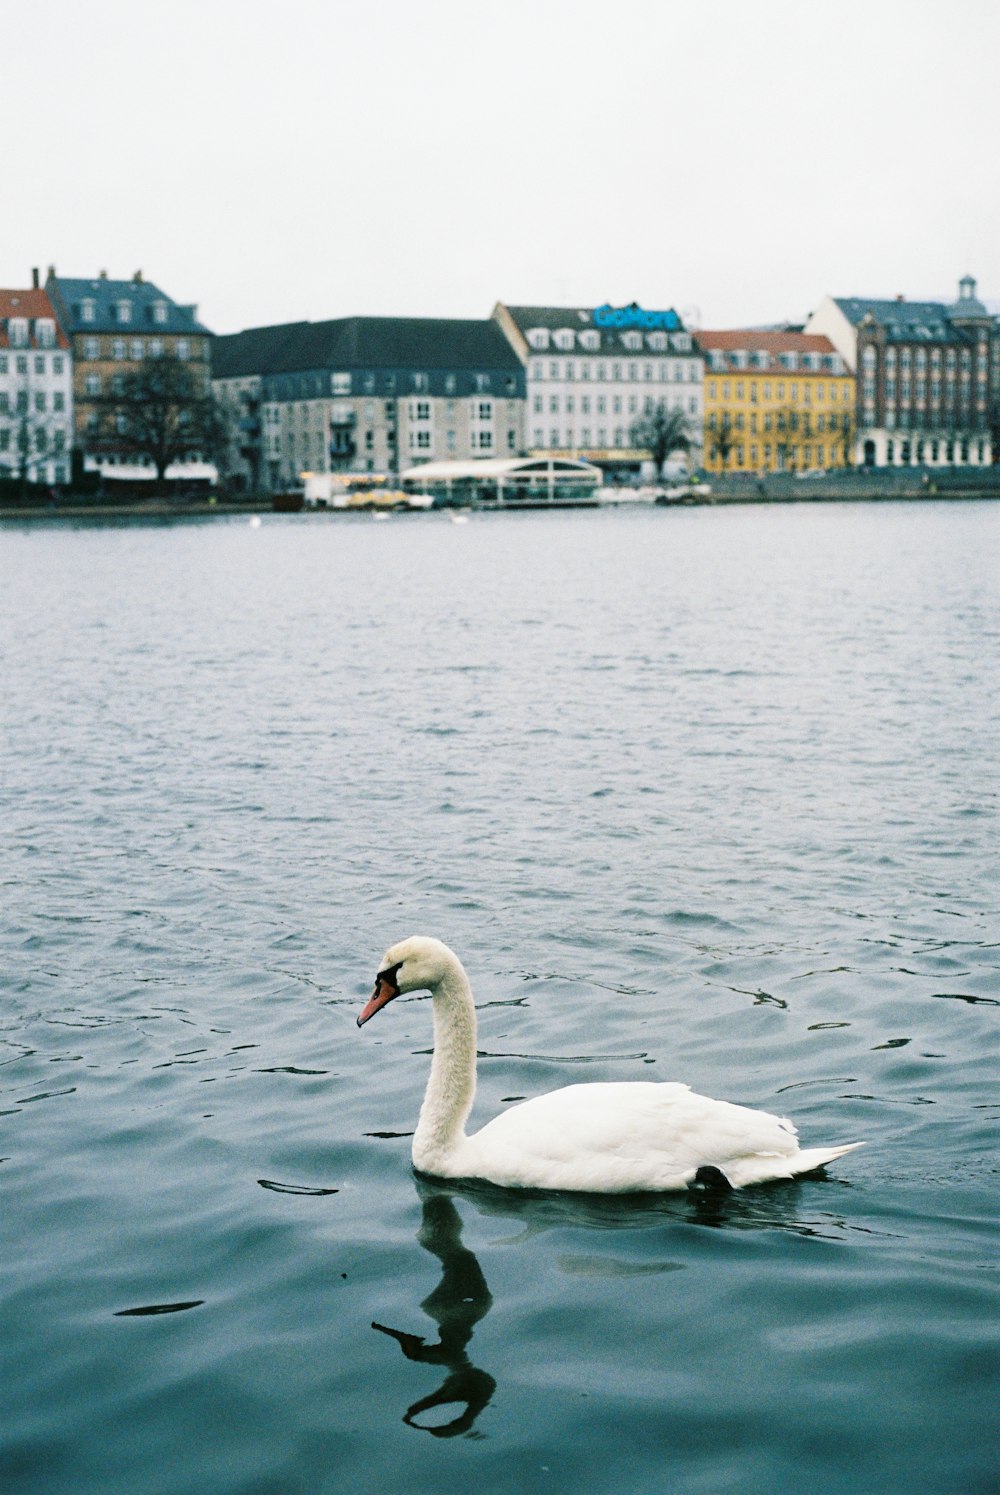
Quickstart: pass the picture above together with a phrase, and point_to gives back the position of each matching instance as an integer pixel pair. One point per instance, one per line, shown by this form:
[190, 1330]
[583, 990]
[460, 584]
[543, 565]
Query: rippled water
[706, 795]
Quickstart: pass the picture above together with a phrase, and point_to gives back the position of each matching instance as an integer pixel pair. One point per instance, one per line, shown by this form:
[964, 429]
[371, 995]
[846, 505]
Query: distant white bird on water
[598, 1138]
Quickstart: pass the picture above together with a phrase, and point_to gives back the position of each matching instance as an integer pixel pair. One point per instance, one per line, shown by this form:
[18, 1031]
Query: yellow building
[776, 402]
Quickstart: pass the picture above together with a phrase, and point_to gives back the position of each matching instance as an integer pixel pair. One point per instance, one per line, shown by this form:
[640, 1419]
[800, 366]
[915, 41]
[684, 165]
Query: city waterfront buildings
[367, 395]
[776, 402]
[928, 376]
[593, 373]
[36, 389]
[113, 326]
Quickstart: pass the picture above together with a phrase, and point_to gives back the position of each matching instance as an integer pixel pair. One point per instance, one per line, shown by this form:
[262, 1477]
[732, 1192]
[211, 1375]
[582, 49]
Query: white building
[592, 373]
[36, 390]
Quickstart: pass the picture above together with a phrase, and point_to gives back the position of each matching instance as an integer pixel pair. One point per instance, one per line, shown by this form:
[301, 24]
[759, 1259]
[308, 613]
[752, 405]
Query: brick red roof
[31, 304]
[765, 342]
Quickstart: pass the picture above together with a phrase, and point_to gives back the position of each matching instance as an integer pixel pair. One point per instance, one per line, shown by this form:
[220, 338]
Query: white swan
[598, 1138]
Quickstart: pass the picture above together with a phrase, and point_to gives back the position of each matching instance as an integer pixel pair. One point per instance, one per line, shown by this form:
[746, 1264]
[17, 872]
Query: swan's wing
[623, 1136]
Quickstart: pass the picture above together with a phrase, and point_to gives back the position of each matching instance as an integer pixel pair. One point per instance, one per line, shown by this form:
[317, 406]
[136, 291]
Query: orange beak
[385, 990]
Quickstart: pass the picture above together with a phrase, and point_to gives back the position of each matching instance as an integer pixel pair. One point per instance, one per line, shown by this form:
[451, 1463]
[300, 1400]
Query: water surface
[706, 795]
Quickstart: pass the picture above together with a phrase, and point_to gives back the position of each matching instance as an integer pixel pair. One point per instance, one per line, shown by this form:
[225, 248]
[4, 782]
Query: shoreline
[167, 509]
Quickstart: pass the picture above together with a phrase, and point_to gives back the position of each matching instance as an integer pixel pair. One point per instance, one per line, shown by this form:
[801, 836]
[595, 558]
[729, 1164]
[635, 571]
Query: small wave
[291, 1069]
[960, 996]
[279, 1188]
[153, 1308]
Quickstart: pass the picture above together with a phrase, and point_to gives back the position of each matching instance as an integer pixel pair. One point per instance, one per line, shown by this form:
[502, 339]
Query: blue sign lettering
[634, 316]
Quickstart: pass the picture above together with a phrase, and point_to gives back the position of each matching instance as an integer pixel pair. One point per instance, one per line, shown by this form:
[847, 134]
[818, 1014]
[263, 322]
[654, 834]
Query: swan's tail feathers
[810, 1158]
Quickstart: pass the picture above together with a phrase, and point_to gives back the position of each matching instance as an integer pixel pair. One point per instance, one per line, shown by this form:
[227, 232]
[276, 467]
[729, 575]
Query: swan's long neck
[452, 1084]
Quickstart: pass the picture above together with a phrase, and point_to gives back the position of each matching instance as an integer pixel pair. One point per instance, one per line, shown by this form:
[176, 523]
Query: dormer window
[45, 332]
[657, 342]
[717, 359]
[790, 360]
[590, 340]
[740, 359]
[159, 311]
[632, 341]
[17, 331]
[123, 311]
[682, 342]
[88, 310]
[564, 339]
[538, 337]
[762, 359]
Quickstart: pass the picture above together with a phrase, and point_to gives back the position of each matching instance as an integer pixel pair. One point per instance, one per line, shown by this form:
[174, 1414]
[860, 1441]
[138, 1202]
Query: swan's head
[416, 964]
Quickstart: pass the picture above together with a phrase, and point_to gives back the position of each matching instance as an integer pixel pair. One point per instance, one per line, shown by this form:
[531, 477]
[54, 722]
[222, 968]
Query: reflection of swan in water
[456, 1305]
[462, 1297]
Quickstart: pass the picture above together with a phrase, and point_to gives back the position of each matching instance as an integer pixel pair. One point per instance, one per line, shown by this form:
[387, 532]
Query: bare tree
[844, 424]
[722, 437]
[162, 411]
[661, 431]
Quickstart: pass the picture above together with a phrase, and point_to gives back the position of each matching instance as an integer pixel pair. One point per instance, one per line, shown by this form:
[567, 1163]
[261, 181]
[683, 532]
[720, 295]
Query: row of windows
[662, 372]
[804, 456]
[915, 419]
[121, 310]
[417, 383]
[780, 420]
[565, 338]
[38, 364]
[832, 363]
[19, 332]
[919, 391]
[919, 358]
[479, 441]
[933, 451]
[40, 438]
[620, 437]
[479, 410]
[37, 400]
[918, 388]
[317, 413]
[619, 404]
[138, 348]
[41, 471]
[810, 390]
[420, 440]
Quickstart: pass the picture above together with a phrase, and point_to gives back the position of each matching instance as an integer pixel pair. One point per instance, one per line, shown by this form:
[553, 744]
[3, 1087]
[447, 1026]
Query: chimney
[104, 274]
[52, 272]
[137, 277]
[900, 297]
[34, 278]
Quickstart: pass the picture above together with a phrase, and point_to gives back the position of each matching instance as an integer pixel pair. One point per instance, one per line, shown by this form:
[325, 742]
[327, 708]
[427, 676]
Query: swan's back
[631, 1136]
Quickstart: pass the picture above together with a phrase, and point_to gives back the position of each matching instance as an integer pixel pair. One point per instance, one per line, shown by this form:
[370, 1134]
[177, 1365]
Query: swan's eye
[391, 974]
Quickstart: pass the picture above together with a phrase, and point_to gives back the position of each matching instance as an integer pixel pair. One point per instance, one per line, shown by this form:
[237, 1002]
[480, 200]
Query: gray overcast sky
[314, 158]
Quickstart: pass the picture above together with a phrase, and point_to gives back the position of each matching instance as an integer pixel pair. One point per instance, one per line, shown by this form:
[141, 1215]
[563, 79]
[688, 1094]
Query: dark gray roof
[553, 317]
[907, 321]
[364, 343]
[68, 296]
[258, 350]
